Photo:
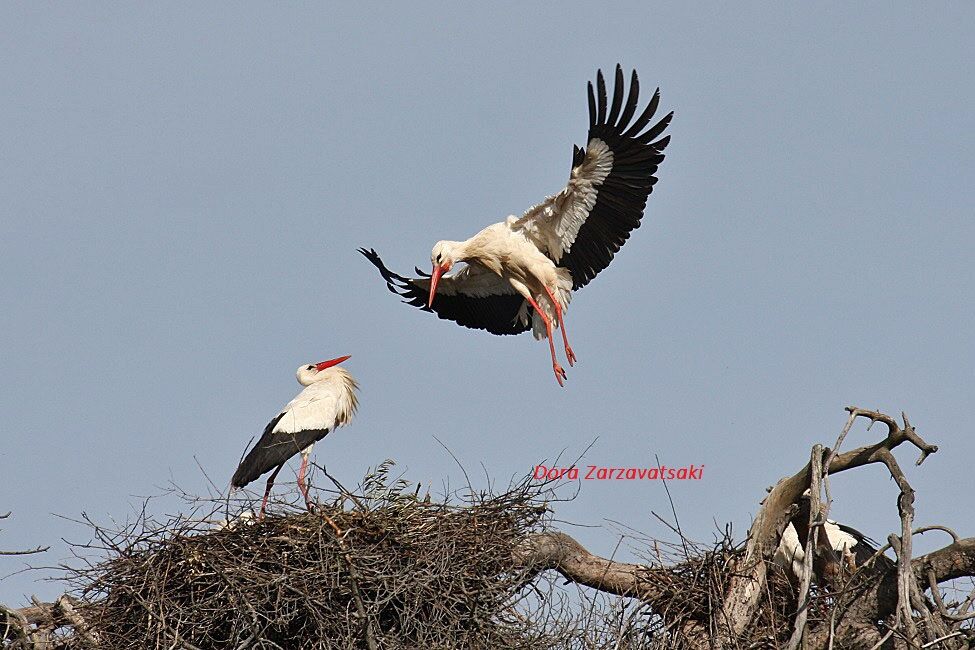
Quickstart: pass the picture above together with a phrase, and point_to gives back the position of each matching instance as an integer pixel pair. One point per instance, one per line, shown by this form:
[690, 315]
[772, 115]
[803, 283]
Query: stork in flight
[521, 272]
[328, 401]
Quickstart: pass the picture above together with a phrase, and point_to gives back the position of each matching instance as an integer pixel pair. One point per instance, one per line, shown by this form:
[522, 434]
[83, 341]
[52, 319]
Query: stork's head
[443, 256]
[308, 375]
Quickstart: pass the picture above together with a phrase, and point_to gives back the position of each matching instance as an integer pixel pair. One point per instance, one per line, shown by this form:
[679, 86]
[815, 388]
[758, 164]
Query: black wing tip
[371, 255]
[377, 261]
[637, 148]
[617, 117]
[398, 284]
[238, 480]
[248, 470]
[395, 282]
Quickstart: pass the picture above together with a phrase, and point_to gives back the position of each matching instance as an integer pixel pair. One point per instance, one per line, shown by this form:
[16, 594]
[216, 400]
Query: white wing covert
[583, 226]
[313, 406]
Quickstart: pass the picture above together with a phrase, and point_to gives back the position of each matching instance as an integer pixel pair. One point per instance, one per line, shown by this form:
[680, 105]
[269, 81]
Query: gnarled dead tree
[386, 569]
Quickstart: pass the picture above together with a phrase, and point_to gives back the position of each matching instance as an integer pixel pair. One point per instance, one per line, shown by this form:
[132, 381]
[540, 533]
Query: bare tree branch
[747, 587]
[815, 471]
[32, 551]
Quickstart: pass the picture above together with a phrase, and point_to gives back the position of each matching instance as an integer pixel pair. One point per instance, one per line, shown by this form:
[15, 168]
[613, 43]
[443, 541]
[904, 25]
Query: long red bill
[331, 362]
[437, 272]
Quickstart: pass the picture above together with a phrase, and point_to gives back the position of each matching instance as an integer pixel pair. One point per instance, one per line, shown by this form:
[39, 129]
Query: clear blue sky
[184, 186]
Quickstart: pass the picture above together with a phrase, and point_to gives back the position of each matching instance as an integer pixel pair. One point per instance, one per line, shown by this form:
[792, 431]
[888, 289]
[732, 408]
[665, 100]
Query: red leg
[559, 371]
[569, 354]
[302, 486]
[267, 491]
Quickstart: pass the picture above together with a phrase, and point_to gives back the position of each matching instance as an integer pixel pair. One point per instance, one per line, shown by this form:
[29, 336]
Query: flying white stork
[328, 401]
[520, 272]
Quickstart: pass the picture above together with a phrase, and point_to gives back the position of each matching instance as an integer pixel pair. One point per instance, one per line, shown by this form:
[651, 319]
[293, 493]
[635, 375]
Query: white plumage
[531, 264]
[328, 401]
[553, 225]
[851, 545]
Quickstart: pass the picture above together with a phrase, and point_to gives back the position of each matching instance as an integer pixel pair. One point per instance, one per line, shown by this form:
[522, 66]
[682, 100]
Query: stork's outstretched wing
[472, 297]
[583, 226]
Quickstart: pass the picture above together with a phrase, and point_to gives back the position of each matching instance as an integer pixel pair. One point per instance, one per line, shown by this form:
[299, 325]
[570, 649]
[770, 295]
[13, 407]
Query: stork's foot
[559, 373]
[570, 356]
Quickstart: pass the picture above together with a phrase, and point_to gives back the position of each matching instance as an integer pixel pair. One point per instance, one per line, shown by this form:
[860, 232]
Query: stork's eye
[438, 258]
[310, 368]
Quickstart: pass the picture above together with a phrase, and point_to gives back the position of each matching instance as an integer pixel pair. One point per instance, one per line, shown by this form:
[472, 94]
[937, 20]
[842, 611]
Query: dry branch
[31, 551]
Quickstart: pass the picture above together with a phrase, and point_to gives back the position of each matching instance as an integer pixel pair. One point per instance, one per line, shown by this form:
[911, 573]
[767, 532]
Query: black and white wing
[473, 297]
[303, 421]
[583, 226]
[846, 538]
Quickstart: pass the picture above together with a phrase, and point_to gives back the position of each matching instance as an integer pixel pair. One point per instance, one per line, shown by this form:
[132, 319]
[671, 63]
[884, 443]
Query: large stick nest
[393, 572]
[385, 569]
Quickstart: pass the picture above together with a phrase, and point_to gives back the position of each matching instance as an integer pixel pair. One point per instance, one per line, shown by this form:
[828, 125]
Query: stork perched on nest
[328, 401]
[851, 547]
[521, 272]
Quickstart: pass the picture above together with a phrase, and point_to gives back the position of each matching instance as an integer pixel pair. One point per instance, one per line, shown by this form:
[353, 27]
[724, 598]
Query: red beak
[331, 362]
[437, 272]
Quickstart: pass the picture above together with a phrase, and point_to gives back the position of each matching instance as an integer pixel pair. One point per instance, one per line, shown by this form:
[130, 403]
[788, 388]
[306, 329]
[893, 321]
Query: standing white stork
[328, 401]
[521, 272]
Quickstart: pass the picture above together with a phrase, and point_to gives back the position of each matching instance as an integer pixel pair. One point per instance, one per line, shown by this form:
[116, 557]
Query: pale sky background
[183, 187]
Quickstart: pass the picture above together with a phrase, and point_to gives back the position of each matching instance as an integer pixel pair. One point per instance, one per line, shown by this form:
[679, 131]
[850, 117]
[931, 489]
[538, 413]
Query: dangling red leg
[569, 354]
[559, 371]
[302, 486]
[267, 491]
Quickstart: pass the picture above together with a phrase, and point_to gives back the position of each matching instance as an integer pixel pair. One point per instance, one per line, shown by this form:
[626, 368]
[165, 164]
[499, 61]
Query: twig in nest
[360, 606]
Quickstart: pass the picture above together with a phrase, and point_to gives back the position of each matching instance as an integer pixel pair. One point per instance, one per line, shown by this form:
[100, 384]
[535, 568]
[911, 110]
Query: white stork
[328, 401]
[520, 272]
[852, 546]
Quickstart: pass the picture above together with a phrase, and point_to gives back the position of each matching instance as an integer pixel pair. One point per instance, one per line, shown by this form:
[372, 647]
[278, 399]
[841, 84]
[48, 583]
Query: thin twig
[360, 606]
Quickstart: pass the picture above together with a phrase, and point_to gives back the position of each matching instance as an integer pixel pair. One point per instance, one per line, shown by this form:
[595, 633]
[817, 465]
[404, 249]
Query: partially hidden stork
[521, 272]
[850, 545]
[835, 541]
[328, 401]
